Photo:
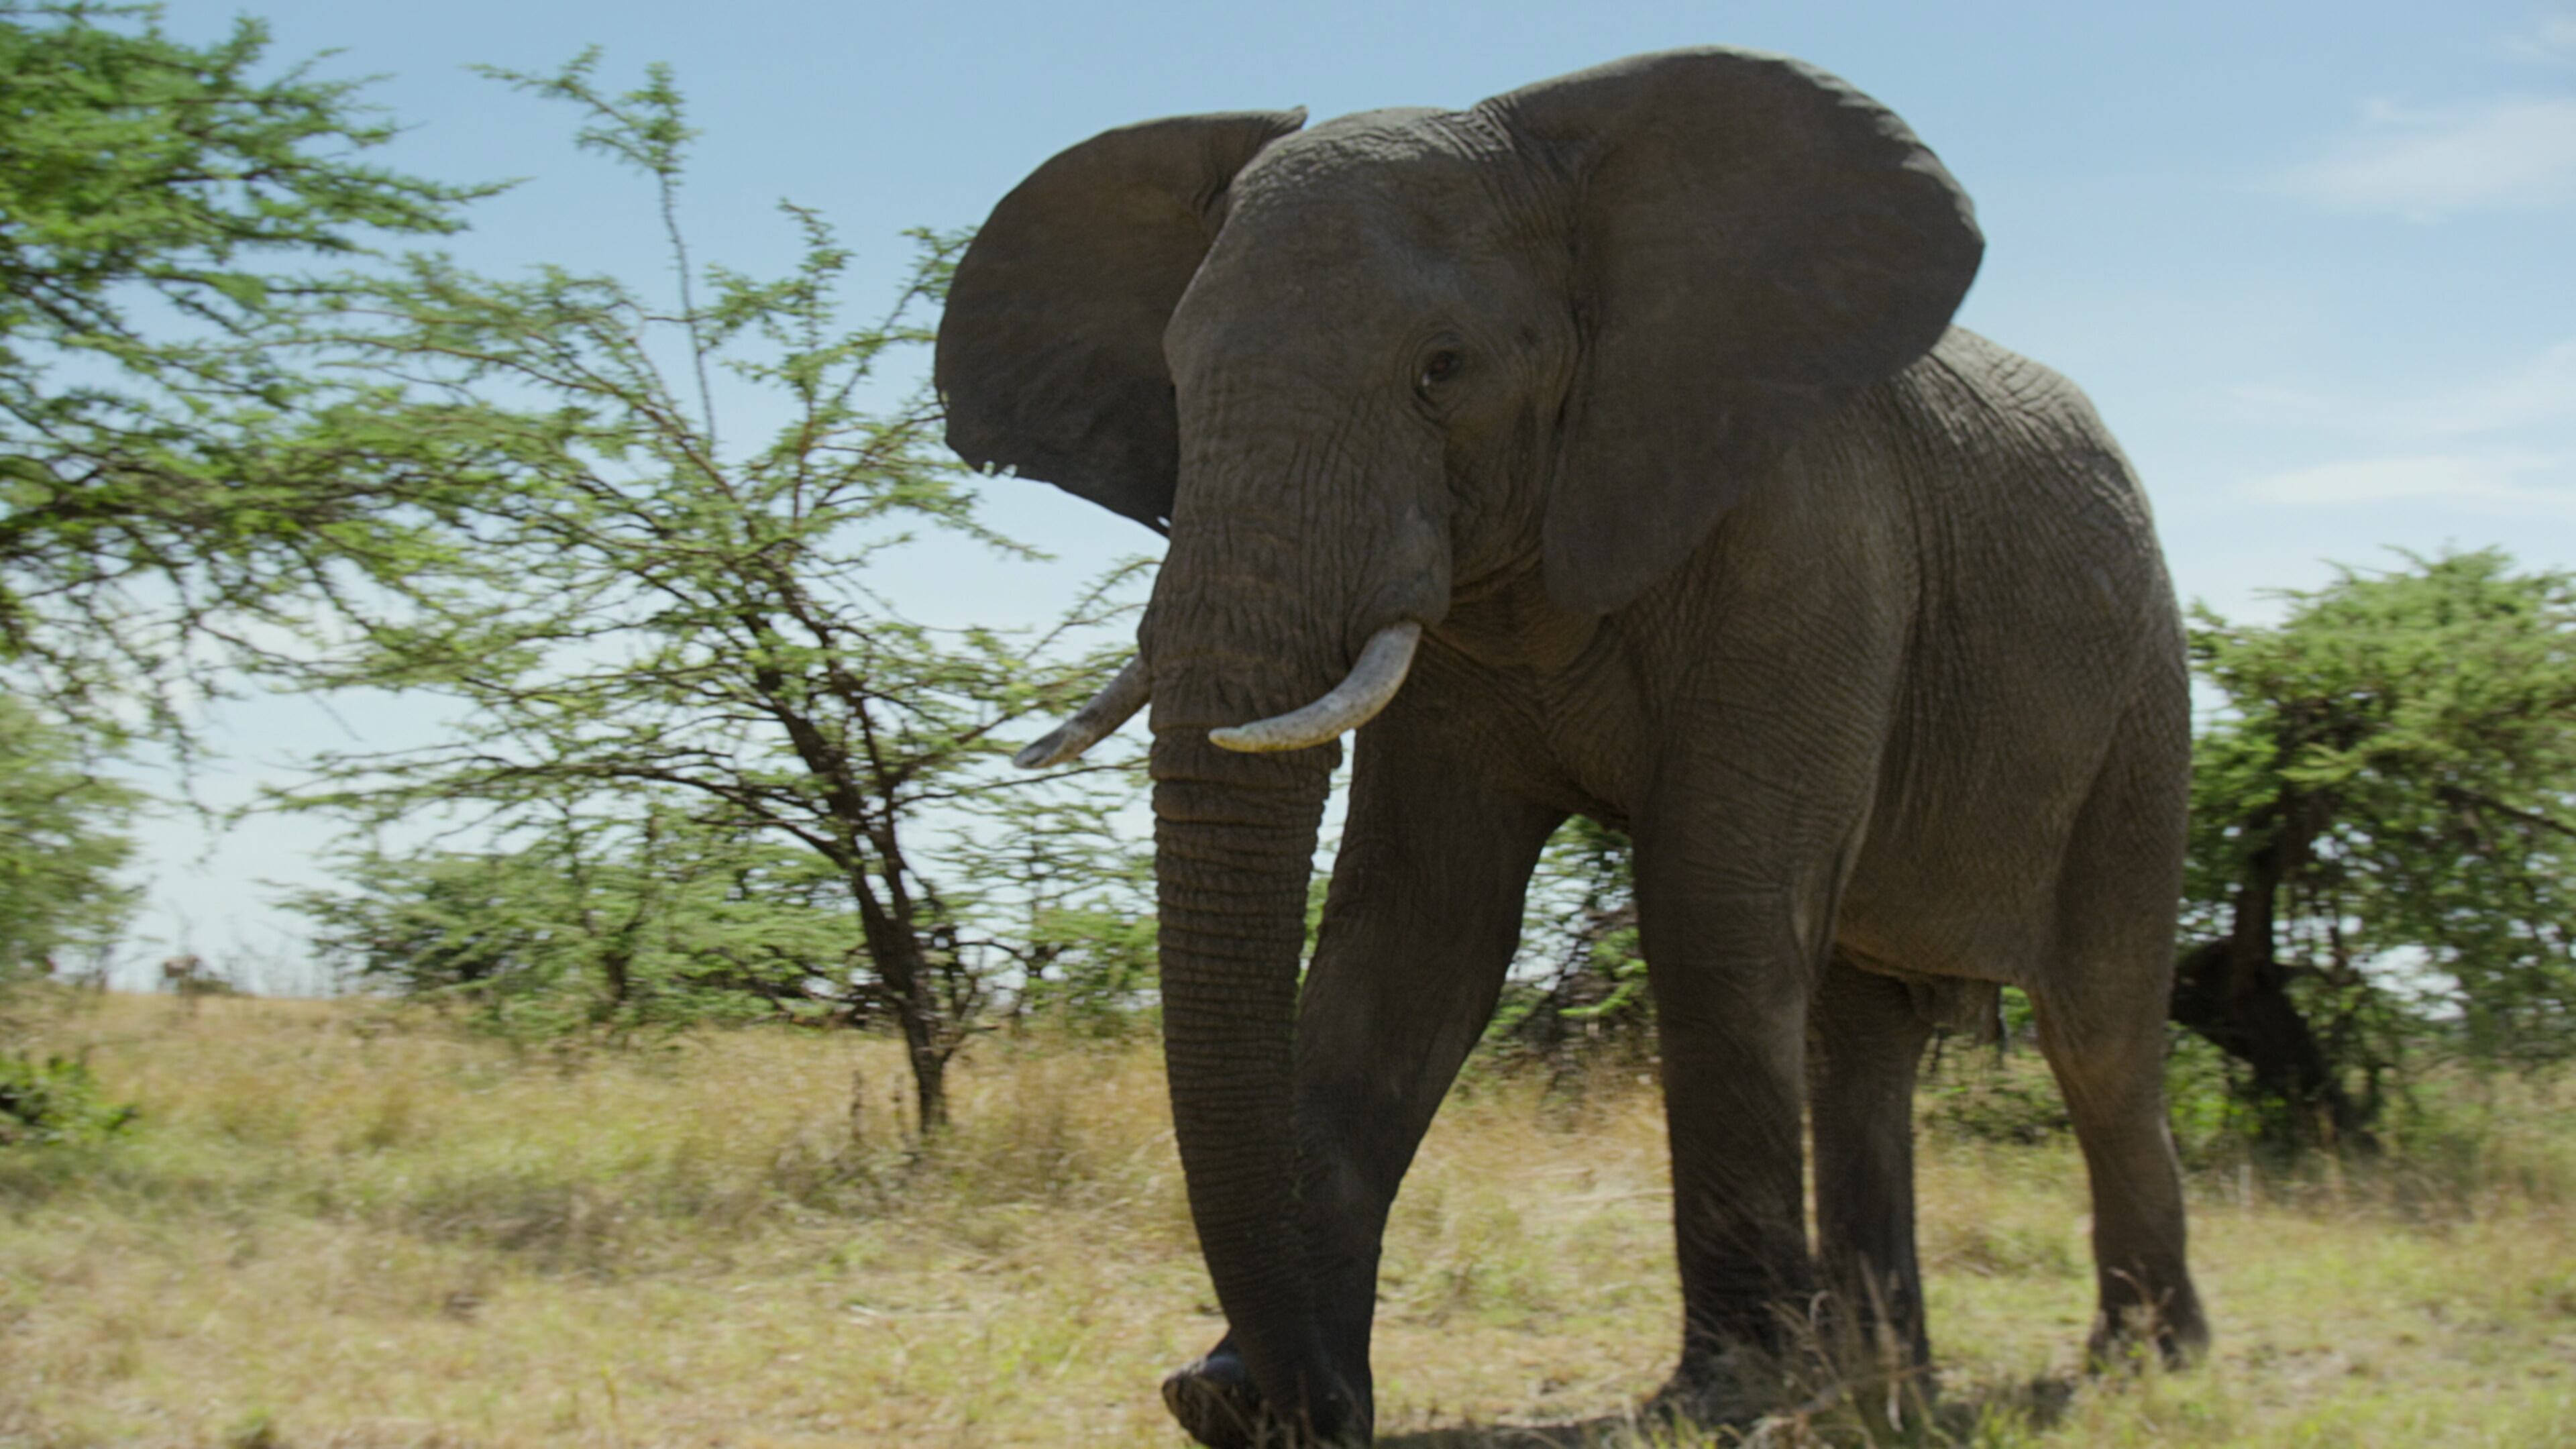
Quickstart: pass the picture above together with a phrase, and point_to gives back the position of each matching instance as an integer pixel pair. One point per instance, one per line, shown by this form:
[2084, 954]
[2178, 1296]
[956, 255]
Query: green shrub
[2013, 1100]
[55, 1100]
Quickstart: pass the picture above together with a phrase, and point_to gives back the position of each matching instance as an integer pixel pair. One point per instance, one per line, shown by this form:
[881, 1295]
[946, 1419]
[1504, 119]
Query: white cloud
[2423, 164]
[2541, 391]
[2501, 444]
[2553, 38]
[2510, 480]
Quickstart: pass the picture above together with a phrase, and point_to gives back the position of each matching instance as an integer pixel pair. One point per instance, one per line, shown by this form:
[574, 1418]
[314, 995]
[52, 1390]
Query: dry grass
[336, 1229]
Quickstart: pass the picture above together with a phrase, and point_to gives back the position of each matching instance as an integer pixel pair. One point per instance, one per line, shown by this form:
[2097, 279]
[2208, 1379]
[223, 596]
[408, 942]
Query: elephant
[1602, 448]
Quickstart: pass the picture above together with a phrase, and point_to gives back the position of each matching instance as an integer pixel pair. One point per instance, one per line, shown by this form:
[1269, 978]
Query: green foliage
[2010, 1100]
[1059, 894]
[2206, 1103]
[656, 922]
[2394, 777]
[1995, 1091]
[54, 1100]
[62, 842]
[1585, 986]
[161, 488]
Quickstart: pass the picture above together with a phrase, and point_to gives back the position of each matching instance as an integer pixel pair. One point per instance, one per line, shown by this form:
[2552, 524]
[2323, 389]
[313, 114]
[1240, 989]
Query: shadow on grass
[1954, 1419]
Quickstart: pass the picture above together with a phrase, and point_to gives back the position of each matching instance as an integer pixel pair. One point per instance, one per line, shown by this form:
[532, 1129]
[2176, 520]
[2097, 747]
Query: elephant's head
[1359, 370]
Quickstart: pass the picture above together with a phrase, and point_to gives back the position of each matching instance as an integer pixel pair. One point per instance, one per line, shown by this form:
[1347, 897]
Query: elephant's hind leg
[2109, 1061]
[1867, 1042]
[2101, 1007]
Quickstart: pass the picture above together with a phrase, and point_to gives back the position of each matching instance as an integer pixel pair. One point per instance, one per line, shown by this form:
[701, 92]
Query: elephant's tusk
[1371, 683]
[1114, 705]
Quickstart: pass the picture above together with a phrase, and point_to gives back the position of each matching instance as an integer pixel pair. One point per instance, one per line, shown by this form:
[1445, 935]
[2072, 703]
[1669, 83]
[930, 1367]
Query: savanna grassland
[334, 1225]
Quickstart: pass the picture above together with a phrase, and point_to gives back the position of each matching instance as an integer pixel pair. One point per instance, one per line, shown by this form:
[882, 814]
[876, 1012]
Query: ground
[334, 1224]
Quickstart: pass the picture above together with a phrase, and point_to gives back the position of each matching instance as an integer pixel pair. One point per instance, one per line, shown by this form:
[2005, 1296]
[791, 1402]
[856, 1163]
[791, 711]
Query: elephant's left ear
[1754, 243]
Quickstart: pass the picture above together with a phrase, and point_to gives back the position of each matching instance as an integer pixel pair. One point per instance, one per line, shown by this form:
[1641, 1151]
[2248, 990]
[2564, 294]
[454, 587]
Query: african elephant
[1605, 448]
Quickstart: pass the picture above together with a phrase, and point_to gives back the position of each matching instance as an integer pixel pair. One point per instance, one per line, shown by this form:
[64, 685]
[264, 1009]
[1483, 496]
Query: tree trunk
[2234, 993]
[2241, 1005]
[927, 1037]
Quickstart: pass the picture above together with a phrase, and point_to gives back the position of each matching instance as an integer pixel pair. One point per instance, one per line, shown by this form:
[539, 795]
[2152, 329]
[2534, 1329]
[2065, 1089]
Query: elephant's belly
[1967, 893]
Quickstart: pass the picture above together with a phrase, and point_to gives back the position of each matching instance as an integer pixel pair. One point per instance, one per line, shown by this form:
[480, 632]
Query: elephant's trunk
[1234, 846]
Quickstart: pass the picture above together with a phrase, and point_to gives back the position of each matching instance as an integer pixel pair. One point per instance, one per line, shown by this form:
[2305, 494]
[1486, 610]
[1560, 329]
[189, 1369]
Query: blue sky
[2311, 261]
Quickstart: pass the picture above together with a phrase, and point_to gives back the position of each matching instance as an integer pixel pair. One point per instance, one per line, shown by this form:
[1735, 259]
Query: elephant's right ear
[1050, 355]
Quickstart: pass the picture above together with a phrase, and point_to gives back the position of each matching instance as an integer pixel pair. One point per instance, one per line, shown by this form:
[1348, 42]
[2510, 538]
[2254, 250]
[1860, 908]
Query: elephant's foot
[1727, 1389]
[2139, 1333]
[1214, 1400]
[1871, 1357]
[1753, 1393]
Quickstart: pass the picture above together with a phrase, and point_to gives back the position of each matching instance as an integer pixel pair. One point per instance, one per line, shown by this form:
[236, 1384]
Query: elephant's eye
[1438, 368]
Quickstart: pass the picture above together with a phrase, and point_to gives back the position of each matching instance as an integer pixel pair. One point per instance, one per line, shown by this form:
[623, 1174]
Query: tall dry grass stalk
[339, 1226]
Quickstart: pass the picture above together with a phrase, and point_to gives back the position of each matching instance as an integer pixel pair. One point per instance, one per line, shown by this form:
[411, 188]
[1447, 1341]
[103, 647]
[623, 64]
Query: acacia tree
[2384, 833]
[164, 502]
[631, 600]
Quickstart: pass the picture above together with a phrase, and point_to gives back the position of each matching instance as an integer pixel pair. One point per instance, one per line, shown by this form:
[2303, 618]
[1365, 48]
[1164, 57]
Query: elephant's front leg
[1734, 932]
[1730, 1012]
[1419, 927]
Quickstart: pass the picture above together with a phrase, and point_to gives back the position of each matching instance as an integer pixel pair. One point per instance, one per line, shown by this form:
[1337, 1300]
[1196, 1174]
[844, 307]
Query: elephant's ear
[1754, 242]
[1050, 356]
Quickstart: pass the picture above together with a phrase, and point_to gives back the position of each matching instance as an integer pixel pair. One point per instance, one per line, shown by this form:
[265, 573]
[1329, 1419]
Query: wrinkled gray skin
[1637, 389]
